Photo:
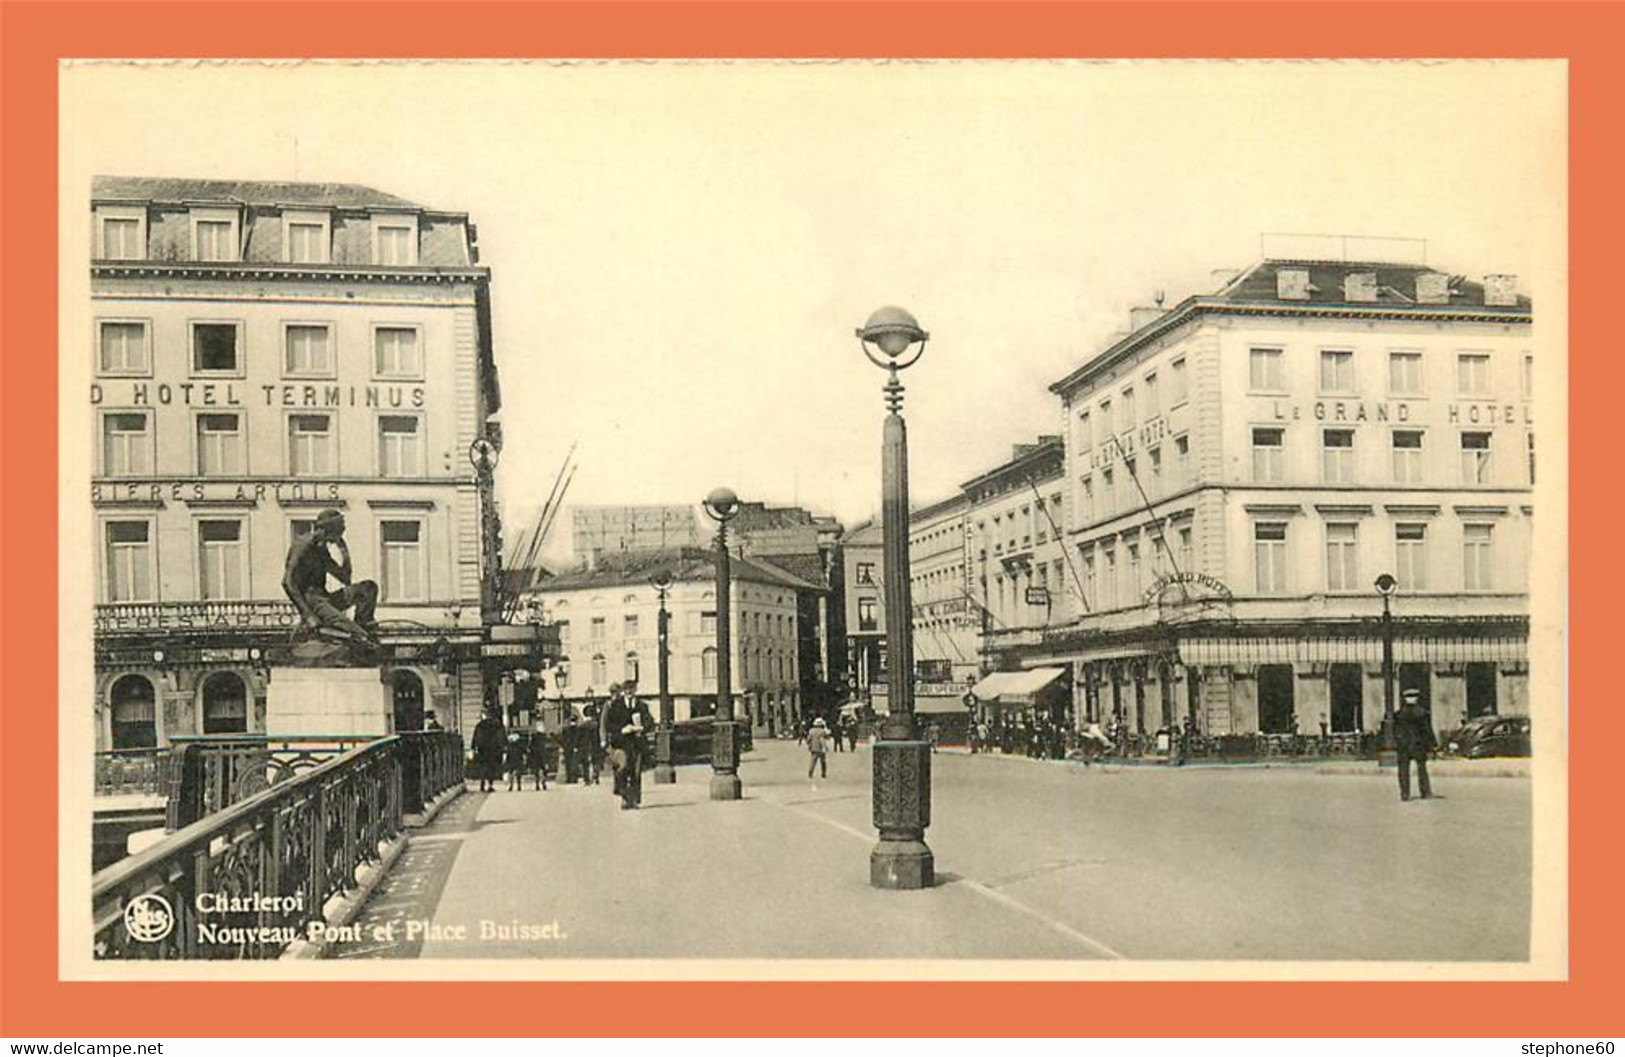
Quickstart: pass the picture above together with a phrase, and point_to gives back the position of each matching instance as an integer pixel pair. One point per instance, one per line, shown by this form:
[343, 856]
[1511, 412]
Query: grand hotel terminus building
[1240, 468]
[263, 351]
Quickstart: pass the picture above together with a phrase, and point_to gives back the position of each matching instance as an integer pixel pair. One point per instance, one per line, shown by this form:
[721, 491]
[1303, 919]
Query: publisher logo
[149, 918]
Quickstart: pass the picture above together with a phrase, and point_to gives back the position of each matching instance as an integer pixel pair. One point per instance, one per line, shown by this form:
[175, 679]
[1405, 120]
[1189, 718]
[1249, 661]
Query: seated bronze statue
[311, 560]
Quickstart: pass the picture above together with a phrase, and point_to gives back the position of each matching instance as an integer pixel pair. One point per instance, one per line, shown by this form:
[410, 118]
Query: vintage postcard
[813, 520]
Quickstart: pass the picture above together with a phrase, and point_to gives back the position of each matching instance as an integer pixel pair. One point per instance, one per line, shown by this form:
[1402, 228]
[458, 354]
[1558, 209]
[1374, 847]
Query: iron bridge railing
[258, 870]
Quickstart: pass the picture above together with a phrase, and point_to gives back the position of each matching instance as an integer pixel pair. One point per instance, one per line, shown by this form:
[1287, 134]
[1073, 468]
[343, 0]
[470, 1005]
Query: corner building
[1241, 469]
[263, 351]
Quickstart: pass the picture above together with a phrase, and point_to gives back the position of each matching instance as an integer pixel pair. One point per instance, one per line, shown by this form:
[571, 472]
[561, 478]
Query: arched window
[708, 664]
[225, 704]
[631, 669]
[134, 706]
[600, 670]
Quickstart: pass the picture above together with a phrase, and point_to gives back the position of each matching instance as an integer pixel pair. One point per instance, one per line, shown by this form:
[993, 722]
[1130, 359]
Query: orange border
[37, 34]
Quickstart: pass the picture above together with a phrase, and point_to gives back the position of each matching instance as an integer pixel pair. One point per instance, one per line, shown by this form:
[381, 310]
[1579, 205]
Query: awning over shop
[938, 705]
[992, 685]
[1442, 649]
[1016, 684]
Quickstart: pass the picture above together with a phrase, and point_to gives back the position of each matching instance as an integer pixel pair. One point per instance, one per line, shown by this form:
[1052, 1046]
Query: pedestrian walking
[850, 721]
[628, 718]
[514, 761]
[818, 748]
[536, 758]
[489, 743]
[835, 734]
[1413, 738]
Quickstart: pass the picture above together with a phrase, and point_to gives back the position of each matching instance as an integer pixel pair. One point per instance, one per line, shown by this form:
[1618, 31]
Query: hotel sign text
[235, 394]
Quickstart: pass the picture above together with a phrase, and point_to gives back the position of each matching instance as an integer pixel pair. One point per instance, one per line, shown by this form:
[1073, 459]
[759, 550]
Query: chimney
[1501, 290]
[1292, 284]
[1432, 288]
[1360, 287]
[1142, 316]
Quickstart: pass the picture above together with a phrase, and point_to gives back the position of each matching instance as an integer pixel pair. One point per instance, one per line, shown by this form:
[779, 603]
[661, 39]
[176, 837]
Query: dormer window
[121, 233]
[1292, 284]
[306, 237]
[214, 235]
[395, 240]
[1432, 288]
[1360, 286]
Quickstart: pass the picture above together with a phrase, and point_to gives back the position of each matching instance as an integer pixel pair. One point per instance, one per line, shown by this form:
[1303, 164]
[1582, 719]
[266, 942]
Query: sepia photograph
[803, 519]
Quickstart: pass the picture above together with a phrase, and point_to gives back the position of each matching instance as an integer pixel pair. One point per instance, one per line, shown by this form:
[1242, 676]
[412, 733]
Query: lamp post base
[902, 811]
[902, 864]
[725, 784]
[664, 772]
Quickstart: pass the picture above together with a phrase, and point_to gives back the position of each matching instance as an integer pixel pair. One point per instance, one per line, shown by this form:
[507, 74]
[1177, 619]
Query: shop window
[1276, 704]
[134, 713]
[225, 704]
[1347, 694]
[1481, 696]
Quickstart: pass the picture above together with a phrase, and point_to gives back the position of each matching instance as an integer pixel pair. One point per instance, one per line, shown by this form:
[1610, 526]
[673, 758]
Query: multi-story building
[264, 351]
[607, 619]
[1243, 466]
[597, 531]
[864, 604]
[1018, 562]
[947, 609]
[807, 546]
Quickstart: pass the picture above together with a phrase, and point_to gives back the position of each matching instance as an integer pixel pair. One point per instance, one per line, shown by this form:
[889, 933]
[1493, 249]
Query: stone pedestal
[308, 702]
[902, 811]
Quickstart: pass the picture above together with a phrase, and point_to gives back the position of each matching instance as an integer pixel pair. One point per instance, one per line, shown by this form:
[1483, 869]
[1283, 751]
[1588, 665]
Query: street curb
[1439, 768]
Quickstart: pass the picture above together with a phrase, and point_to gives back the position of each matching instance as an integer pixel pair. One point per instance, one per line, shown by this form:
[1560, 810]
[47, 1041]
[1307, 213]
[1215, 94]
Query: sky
[681, 252]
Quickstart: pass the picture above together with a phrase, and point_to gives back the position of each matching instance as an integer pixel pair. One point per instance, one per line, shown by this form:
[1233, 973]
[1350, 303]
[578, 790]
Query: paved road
[1034, 861]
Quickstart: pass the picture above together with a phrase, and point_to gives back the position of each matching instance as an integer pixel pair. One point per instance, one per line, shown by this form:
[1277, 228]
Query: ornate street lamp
[902, 767]
[665, 773]
[1386, 585]
[722, 505]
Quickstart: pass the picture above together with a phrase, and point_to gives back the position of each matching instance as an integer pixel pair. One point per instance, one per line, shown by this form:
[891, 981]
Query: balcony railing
[130, 772]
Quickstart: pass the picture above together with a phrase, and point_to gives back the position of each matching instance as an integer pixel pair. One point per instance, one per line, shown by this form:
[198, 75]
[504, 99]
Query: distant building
[1019, 568]
[865, 609]
[607, 621]
[806, 545]
[263, 351]
[601, 531]
[948, 607]
[1243, 466]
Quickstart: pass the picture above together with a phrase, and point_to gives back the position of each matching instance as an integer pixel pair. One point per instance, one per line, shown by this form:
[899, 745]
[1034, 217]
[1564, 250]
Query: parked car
[1491, 736]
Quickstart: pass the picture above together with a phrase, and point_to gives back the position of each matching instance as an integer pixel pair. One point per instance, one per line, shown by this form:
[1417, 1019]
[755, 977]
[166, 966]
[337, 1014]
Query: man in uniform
[311, 560]
[1413, 738]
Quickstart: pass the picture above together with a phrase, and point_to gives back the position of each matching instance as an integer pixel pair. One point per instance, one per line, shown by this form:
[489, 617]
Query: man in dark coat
[490, 741]
[1413, 738]
[627, 720]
